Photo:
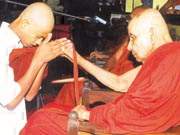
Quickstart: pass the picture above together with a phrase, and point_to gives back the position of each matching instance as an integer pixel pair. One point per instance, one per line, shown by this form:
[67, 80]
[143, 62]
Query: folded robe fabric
[124, 64]
[20, 59]
[66, 95]
[152, 103]
[51, 120]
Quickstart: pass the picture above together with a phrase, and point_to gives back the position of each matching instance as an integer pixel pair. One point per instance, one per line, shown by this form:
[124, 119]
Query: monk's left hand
[67, 49]
[83, 113]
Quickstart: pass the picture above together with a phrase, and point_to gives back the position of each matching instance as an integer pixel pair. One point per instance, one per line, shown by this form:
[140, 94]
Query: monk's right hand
[50, 50]
[83, 113]
[67, 49]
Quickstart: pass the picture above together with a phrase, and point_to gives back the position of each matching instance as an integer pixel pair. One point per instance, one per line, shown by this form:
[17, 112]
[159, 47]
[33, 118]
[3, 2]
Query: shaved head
[39, 14]
[138, 11]
[147, 31]
[34, 24]
[150, 19]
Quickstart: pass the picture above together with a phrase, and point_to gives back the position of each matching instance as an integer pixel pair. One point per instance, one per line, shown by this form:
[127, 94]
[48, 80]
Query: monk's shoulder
[167, 54]
[171, 47]
[168, 49]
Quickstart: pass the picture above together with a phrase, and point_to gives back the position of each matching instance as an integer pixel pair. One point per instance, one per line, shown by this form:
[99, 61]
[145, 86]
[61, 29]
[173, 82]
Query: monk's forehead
[138, 25]
[39, 15]
[133, 26]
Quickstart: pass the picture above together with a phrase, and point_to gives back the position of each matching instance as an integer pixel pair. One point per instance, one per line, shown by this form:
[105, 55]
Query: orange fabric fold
[123, 64]
[20, 59]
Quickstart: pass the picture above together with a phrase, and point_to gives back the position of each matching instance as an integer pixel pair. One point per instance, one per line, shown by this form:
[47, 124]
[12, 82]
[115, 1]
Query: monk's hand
[49, 50]
[67, 49]
[83, 113]
[98, 55]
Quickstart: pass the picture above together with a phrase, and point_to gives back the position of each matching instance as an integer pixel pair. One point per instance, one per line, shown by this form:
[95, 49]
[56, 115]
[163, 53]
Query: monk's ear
[24, 24]
[152, 34]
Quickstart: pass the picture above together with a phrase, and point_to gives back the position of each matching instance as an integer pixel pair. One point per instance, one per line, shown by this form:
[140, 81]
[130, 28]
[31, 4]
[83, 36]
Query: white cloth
[11, 121]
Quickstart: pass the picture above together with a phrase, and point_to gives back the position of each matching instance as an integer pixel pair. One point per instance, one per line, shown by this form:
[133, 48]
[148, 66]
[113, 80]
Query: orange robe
[153, 100]
[151, 104]
[20, 59]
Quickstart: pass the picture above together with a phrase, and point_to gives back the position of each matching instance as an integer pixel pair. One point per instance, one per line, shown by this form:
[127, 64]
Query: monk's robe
[176, 2]
[66, 95]
[123, 64]
[50, 120]
[151, 104]
[20, 60]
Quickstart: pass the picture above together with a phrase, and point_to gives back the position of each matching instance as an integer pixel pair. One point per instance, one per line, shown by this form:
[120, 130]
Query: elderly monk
[152, 99]
[33, 27]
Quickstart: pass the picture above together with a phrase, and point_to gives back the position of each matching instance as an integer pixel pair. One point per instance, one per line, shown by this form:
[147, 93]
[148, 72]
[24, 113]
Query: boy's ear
[24, 24]
[151, 34]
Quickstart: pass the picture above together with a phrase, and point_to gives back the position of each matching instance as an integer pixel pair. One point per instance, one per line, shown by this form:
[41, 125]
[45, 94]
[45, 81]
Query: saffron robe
[20, 59]
[153, 100]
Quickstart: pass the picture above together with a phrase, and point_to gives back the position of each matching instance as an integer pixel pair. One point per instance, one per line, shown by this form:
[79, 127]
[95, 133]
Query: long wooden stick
[75, 74]
[67, 80]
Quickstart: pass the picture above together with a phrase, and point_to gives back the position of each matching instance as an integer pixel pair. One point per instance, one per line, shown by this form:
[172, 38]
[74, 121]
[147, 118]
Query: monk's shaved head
[150, 19]
[147, 31]
[34, 24]
[138, 11]
[39, 14]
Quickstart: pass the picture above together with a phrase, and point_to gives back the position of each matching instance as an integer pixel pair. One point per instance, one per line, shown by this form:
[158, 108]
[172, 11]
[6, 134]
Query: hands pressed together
[49, 50]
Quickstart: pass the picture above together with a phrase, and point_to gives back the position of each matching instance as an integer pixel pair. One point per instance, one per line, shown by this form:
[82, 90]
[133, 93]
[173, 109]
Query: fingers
[79, 108]
[61, 47]
[82, 111]
[53, 49]
[60, 41]
[48, 38]
[64, 42]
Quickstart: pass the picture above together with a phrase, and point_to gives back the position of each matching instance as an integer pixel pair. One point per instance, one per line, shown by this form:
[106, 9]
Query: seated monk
[151, 99]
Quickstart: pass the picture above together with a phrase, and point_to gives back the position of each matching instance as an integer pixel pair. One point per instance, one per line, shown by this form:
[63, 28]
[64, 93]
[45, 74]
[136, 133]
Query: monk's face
[34, 24]
[140, 42]
[33, 37]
